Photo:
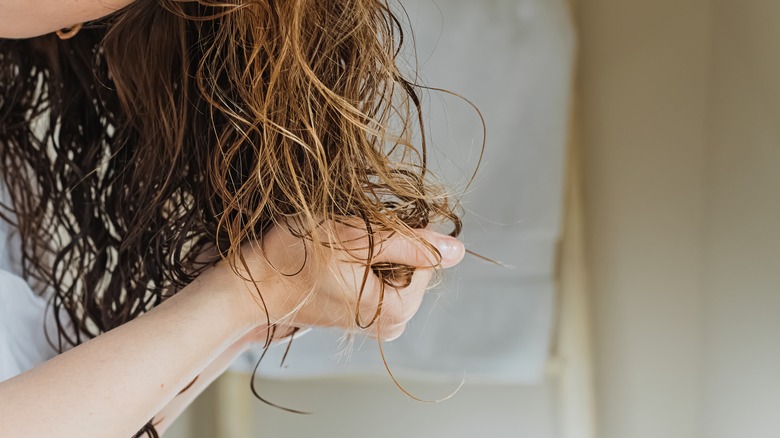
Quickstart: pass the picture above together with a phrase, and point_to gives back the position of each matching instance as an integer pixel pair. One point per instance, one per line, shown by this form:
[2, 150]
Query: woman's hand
[302, 289]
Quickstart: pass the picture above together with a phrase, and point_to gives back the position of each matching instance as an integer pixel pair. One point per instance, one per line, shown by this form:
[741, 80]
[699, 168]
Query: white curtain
[514, 59]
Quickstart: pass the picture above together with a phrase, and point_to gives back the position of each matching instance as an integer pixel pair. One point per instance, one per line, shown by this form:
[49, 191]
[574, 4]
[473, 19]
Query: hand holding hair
[325, 292]
[305, 286]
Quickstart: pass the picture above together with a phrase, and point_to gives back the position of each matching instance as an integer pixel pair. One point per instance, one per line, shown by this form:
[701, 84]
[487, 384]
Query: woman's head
[173, 126]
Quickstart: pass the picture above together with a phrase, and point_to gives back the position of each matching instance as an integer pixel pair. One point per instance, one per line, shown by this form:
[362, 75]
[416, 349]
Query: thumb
[451, 250]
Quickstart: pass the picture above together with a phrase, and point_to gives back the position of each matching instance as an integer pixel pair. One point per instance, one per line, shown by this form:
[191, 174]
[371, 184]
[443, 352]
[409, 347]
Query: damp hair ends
[173, 126]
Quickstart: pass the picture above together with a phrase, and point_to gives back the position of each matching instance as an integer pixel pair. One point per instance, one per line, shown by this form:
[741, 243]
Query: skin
[29, 18]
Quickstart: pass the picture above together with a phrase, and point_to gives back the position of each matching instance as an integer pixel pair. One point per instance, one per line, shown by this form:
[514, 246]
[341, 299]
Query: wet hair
[175, 126]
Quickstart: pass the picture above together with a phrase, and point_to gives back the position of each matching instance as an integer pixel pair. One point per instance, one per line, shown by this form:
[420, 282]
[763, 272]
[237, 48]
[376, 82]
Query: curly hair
[173, 126]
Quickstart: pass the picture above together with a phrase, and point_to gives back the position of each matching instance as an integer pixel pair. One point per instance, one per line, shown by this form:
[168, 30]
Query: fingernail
[452, 251]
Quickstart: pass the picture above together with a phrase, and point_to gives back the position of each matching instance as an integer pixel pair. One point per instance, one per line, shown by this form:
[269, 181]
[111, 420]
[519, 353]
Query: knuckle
[393, 333]
[403, 312]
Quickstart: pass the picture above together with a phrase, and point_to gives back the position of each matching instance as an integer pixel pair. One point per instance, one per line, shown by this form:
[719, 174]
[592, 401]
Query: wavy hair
[174, 126]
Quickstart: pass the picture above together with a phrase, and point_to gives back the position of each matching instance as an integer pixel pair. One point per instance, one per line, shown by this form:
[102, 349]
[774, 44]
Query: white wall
[681, 110]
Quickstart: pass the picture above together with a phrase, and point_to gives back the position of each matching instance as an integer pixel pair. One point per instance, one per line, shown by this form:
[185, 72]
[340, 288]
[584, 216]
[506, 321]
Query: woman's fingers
[424, 252]
[404, 250]
[337, 289]
[426, 249]
[398, 306]
[402, 304]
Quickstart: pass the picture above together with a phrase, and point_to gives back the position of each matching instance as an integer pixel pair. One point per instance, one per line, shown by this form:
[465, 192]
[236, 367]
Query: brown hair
[177, 125]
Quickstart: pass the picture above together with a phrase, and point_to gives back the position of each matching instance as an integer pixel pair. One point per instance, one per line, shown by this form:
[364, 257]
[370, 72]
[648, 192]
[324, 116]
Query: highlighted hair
[174, 126]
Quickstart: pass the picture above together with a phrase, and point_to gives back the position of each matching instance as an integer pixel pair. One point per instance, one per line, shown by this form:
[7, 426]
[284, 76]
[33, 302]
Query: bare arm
[101, 388]
[166, 417]
[29, 18]
[171, 412]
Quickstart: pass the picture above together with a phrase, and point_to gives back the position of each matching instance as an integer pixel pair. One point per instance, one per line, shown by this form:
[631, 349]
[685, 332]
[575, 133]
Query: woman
[187, 177]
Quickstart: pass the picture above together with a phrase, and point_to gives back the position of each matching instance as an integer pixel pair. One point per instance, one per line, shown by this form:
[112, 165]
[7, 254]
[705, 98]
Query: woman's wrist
[246, 310]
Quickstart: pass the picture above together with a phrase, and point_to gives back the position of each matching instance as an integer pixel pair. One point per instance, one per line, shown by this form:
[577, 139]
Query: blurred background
[631, 186]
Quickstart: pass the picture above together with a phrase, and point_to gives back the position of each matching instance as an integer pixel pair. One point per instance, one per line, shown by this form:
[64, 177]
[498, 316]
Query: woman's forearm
[166, 417]
[171, 412]
[29, 18]
[111, 385]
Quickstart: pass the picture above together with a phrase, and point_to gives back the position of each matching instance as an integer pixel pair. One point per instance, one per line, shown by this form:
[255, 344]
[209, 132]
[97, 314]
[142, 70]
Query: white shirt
[23, 342]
